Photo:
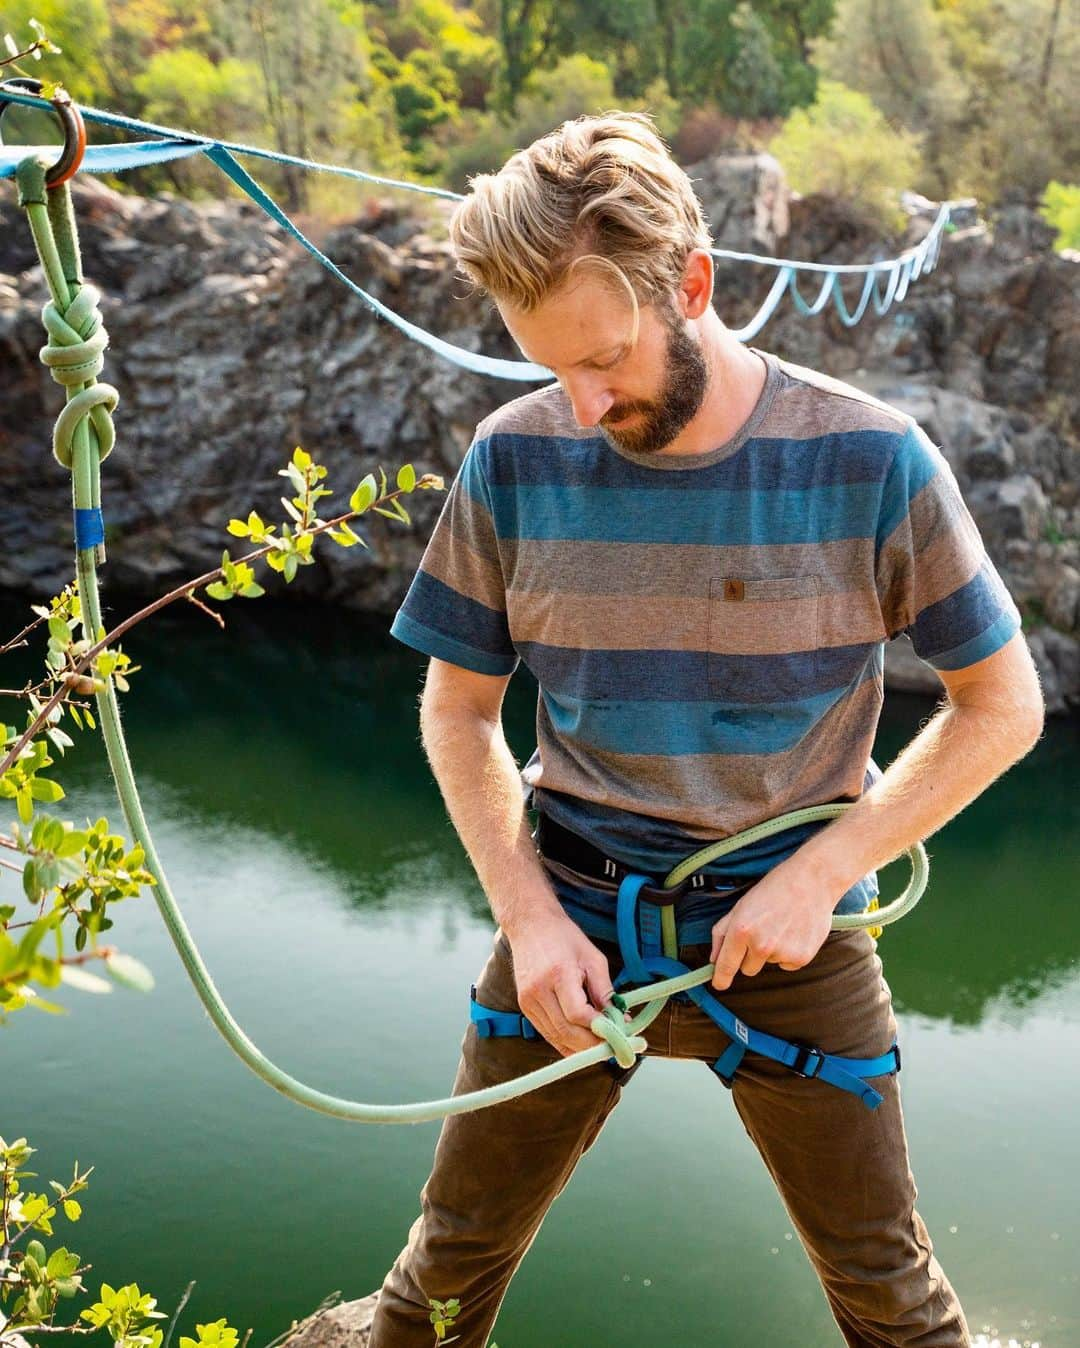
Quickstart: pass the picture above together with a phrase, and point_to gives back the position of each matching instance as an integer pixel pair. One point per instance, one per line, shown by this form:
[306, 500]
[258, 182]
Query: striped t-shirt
[706, 630]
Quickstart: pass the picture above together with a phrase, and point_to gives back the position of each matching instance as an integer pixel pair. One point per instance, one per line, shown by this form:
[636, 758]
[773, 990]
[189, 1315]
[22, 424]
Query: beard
[686, 381]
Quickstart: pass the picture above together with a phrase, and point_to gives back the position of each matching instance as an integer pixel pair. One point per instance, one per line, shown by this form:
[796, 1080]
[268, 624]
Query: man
[699, 550]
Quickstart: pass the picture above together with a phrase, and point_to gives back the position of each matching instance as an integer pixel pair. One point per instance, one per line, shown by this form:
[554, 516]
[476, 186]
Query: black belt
[570, 849]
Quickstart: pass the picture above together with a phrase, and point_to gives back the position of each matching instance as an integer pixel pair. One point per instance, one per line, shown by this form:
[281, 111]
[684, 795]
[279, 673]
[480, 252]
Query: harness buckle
[808, 1060]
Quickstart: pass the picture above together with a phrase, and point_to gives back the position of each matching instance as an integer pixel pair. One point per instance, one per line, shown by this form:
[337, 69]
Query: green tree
[844, 146]
[896, 53]
[313, 59]
[182, 87]
[1061, 209]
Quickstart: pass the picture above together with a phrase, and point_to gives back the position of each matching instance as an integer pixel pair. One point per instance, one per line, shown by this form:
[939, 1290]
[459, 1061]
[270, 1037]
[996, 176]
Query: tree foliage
[440, 89]
[844, 145]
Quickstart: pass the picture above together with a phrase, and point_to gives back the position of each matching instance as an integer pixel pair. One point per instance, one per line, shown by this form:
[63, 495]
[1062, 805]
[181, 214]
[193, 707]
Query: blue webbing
[643, 963]
[174, 144]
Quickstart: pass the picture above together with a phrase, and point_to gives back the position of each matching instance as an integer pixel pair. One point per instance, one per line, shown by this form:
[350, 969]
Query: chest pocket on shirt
[762, 638]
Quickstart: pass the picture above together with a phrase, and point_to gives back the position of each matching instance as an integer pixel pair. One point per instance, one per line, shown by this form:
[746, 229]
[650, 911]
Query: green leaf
[41, 788]
[345, 536]
[297, 478]
[291, 510]
[132, 973]
[406, 478]
[74, 841]
[25, 804]
[301, 458]
[62, 1262]
[218, 590]
[59, 629]
[72, 1211]
[31, 883]
[89, 719]
[291, 563]
[364, 494]
[252, 591]
[238, 529]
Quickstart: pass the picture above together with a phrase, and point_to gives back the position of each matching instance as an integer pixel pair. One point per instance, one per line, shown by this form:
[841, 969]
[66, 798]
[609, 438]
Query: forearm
[951, 761]
[481, 786]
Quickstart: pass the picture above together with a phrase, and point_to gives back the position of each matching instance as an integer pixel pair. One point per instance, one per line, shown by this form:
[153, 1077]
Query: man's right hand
[563, 980]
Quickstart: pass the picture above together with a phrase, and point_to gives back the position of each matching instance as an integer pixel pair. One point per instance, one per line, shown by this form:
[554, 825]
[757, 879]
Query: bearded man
[699, 550]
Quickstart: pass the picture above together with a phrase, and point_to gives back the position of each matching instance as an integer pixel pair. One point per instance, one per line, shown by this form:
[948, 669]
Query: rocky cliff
[230, 346]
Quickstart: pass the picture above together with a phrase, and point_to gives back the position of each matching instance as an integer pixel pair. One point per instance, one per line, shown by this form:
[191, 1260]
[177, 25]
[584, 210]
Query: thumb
[598, 982]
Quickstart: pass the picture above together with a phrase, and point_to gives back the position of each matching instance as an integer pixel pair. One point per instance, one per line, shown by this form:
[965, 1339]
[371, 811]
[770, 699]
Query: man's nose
[589, 404]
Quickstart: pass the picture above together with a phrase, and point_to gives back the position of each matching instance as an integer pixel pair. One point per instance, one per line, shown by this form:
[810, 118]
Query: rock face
[229, 346]
[347, 1325]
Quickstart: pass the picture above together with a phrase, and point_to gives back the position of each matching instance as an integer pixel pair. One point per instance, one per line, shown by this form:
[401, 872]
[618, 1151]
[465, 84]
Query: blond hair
[598, 191]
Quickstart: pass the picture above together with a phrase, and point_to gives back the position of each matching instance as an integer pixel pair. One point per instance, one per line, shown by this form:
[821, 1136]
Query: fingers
[733, 950]
[563, 1012]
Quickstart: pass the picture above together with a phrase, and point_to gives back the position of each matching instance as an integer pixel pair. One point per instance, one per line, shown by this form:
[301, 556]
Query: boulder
[346, 1325]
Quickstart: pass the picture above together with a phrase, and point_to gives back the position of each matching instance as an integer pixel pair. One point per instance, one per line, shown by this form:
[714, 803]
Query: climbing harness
[884, 282]
[646, 927]
[82, 438]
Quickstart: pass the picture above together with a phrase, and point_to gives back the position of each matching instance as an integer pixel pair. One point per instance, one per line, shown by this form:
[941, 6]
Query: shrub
[843, 146]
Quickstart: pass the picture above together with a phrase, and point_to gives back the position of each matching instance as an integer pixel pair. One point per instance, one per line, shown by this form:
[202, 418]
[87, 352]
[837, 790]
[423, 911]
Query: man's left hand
[779, 921]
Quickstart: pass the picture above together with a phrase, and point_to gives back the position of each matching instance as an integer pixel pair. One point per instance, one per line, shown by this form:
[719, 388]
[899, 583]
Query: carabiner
[71, 156]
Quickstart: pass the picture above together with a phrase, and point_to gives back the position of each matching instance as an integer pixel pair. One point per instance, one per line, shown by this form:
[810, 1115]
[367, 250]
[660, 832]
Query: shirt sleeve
[455, 608]
[934, 579]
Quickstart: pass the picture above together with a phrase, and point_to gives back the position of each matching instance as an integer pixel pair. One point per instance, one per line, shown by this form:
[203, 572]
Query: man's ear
[695, 292]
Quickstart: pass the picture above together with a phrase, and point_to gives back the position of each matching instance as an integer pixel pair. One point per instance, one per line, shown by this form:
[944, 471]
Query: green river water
[310, 853]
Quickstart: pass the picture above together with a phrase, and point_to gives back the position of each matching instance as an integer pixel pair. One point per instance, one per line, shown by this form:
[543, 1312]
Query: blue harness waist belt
[649, 953]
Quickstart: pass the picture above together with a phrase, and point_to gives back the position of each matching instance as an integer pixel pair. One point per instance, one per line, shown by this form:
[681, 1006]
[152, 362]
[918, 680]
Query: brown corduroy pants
[841, 1169]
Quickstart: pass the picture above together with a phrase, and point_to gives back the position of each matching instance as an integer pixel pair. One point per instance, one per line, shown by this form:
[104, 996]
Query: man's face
[641, 396]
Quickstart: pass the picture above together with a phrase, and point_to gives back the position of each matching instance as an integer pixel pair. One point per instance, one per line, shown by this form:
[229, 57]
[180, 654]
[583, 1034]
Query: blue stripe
[978, 648]
[454, 617]
[676, 728]
[611, 515]
[947, 626]
[423, 639]
[688, 676]
[767, 464]
[916, 464]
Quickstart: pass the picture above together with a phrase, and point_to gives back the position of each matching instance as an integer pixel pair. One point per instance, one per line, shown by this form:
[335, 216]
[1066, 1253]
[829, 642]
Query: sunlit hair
[599, 192]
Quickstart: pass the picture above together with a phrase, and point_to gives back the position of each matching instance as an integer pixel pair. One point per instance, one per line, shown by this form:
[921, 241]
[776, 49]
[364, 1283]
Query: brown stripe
[816, 404]
[451, 560]
[774, 617]
[664, 569]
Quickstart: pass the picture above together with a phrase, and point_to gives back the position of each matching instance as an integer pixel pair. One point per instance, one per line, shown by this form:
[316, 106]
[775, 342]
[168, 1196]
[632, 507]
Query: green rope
[84, 436]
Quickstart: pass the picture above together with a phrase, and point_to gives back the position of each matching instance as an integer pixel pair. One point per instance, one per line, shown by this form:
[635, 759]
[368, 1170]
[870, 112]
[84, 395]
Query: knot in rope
[75, 355]
[610, 1026]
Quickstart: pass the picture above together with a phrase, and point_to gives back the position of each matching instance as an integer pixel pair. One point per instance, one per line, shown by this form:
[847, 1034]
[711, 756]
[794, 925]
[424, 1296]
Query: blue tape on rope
[89, 528]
